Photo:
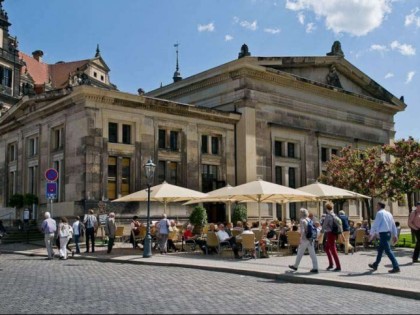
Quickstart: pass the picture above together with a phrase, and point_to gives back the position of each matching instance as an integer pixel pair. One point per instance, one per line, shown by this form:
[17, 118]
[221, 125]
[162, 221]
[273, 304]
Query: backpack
[311, 231]
[337, 227]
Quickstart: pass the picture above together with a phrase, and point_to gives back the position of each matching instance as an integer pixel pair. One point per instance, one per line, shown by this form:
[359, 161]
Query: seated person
[193, 239]
[135, 227]
[228, 228]
[284, 228]
[239, 226]
[172, 237]
[224, 237]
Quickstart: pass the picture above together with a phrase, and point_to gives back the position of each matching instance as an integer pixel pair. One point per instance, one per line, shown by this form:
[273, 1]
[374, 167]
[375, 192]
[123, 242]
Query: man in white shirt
[224, 237]
[384, 226]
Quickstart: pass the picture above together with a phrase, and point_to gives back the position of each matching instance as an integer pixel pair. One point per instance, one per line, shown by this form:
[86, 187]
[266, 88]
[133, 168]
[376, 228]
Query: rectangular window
[12, 183]
[58, 141]
[32, 146]
[279, 175]
[161, 171]
[334, 152]
[112, 177]
[291, 150]
[113, 132]
[162, 139]
[6, 77]
[32, 179]
[12, 152]
[126, 134]
[324, 154]
[174, 140]
[292, 177]
[173, 173]
[292, 208]
[209, 177]
[125, 180]
[204, 144]
[214, 145]
[277, 148]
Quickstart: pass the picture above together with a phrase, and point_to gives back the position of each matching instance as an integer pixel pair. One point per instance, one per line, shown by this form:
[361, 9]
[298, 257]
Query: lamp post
[149, 169]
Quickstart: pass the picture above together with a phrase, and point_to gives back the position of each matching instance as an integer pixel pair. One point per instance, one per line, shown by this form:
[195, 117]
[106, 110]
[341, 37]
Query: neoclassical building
[276, 118]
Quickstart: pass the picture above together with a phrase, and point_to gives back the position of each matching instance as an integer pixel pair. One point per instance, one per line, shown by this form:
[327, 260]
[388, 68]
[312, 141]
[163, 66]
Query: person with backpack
[346, 232]
[332, 228]
[307, 240]
[91, 224]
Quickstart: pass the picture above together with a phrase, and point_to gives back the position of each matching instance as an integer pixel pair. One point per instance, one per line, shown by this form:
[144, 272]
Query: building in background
[276, 118]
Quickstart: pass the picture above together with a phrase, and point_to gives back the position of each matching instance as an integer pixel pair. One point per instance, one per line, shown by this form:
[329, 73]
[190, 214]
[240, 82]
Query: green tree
[239, 213]
[16, 200]
[30, 199]
[361, 171]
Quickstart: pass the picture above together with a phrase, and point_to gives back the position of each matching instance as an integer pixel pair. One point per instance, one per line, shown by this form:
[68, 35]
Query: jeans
[76, 241]
[331, 250]
[384, 238]
[90, 234]
[417, 248]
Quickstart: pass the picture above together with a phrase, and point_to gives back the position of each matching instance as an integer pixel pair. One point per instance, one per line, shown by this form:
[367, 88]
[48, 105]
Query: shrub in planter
[239, 214]
[198, 218]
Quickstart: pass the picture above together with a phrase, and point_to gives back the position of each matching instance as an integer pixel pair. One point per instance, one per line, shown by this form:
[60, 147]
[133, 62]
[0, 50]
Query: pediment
[99, 62]
[333, 72]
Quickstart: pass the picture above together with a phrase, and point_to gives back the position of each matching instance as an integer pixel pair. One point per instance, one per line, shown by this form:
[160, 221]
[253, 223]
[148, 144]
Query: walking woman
[331, 238]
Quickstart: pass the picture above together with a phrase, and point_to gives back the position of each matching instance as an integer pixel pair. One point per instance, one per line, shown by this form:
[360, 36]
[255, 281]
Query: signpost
[51, 175]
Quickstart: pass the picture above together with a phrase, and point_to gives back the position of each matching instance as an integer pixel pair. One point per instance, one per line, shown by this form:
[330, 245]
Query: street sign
[51, 190]
[51, 174]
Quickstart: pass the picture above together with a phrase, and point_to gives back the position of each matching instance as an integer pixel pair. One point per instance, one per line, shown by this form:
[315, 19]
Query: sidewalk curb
[291, 278]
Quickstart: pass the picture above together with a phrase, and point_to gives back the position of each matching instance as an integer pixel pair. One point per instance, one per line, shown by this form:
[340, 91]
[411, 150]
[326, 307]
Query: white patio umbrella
[164, 193]
[263, 191]
[218, 195]
[328, 192]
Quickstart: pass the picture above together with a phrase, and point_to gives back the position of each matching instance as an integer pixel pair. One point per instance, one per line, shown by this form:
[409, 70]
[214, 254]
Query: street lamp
[149, 169]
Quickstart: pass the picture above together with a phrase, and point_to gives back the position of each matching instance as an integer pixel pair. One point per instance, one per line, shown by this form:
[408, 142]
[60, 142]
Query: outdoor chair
[213, 242]
[249, 244]
[359, 239]
[119, 234]
[293, 240]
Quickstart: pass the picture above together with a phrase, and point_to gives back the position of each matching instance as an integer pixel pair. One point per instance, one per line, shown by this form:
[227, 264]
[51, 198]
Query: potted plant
[239, 214]
[198, 218]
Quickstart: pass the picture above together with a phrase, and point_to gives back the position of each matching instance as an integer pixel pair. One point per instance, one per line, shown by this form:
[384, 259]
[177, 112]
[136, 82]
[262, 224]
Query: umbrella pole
[259, 214]
[229, 211]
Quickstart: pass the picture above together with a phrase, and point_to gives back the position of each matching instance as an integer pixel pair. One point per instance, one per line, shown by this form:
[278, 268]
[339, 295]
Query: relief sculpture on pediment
[332, 77]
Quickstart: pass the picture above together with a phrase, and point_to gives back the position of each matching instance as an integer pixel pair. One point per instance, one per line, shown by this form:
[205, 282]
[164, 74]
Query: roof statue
[332, 77]
[336, 50]
[244, 51]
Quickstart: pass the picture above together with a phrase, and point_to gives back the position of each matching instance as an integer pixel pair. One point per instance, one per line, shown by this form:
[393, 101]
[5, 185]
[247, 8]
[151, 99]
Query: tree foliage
[239, 213]
[16, 200]
[198, 216]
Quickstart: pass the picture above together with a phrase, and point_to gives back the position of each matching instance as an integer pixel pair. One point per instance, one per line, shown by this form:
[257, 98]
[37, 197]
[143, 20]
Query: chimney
[37, 54]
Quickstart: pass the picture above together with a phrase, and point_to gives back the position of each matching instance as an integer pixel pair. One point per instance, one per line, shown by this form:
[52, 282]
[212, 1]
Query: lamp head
[149, 169]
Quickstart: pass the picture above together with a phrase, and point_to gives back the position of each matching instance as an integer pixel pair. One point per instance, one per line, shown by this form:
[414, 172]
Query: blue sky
[137, 37]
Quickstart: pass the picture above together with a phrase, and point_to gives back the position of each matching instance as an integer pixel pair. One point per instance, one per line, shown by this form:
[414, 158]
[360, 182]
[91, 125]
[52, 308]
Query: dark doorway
[216, 212]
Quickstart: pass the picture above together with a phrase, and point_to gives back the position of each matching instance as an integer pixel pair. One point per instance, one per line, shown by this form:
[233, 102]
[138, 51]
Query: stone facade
[72, 131]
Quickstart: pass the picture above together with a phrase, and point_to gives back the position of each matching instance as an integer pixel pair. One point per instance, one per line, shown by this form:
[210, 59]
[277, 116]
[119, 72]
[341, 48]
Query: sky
[137, 37]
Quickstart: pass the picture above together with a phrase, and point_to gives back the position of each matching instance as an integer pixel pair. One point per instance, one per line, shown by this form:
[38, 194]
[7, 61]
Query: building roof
[60, 71]
[38, 70]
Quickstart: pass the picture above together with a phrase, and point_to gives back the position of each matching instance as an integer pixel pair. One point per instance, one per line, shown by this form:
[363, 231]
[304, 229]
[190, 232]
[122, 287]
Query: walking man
[91, 224]
[305, 243]
[48, 227]
[384, 226]
[414, 224]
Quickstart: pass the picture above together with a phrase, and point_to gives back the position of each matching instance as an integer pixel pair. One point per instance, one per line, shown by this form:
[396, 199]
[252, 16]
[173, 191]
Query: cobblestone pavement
[32, 284]
[355, 272]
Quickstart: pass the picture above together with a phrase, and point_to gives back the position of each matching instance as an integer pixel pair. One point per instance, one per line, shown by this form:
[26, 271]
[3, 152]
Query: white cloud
[310, 27]
[228, 38]
[389, 75]
[356, 17]
[410, 76]
[380, 48]
[249, 25]
[301, 18]
[412, 18]
[206, 28]
[272, 30]
[403, 49]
